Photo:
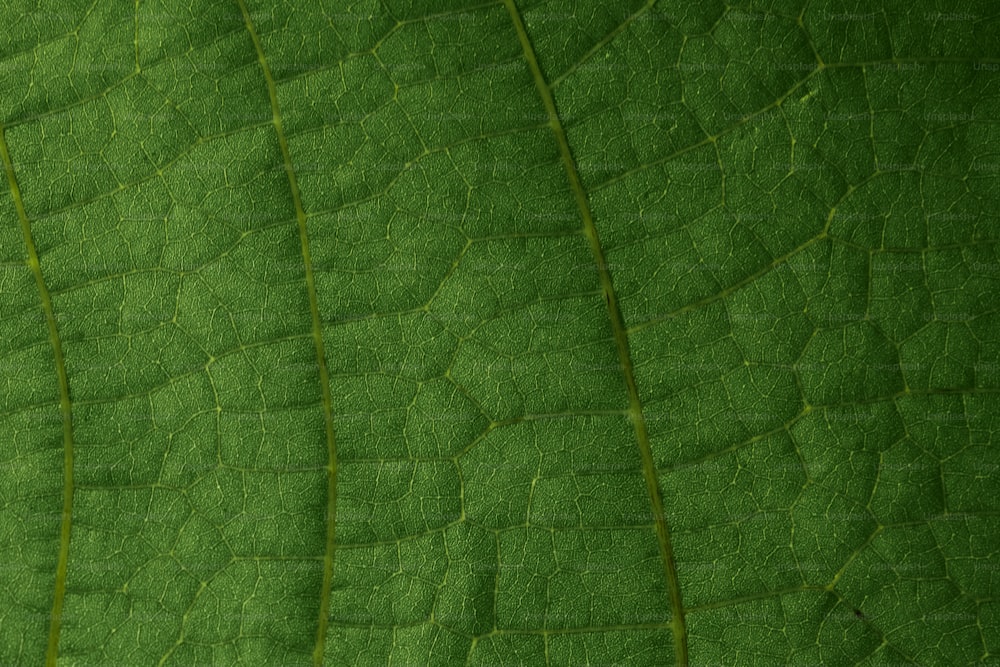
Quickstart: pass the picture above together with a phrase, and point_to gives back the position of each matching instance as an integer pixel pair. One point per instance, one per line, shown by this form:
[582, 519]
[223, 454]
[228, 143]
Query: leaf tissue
[499, 332]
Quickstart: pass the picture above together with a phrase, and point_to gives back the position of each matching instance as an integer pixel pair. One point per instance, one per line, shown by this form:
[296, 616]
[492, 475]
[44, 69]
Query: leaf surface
[511, 332]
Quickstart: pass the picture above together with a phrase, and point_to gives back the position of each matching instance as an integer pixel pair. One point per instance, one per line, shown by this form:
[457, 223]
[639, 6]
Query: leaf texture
[499, 333]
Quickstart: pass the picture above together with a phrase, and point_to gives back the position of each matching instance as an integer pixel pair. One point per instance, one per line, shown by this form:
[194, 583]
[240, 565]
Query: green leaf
[504, 332]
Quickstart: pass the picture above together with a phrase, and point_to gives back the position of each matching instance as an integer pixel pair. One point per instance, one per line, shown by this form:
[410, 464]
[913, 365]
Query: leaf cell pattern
[509, 332]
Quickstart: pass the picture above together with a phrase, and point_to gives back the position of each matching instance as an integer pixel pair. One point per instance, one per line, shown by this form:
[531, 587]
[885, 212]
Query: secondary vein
[317, 334]
[620, 335]
[65, 405]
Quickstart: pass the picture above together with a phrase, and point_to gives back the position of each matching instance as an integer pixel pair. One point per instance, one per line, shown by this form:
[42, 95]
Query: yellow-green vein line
[621, 339]
[65, 406]
[317, 333]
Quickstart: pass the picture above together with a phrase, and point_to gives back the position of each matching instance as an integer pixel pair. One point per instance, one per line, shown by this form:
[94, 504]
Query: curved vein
[65, 406]
[621, 339]
[317, 334]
